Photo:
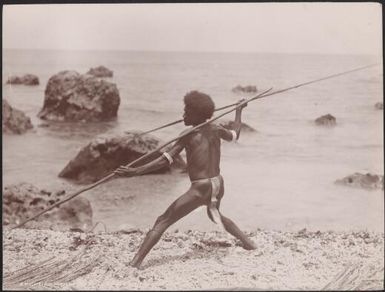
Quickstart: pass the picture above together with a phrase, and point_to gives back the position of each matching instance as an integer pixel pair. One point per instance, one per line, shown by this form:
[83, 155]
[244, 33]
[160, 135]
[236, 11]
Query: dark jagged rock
[14, 80]
[379, 105]
[14, 121]
[72, 97]
[27, 79]
[22, 201]
[245, 89]
[30, 79]
[100, 71]
[228, 124]
[326, 120]
[105, 153]
[366, 181]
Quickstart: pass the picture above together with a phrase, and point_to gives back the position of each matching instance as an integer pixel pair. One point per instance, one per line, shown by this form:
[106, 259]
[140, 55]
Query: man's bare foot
[133, 264]
[250, 245]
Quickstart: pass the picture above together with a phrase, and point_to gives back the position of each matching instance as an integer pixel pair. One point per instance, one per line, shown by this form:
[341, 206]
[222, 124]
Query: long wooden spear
[108, 177]
[181, 120]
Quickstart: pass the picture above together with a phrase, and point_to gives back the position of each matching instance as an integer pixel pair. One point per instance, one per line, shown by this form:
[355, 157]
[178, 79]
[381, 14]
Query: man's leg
[233, 229]
[178, 209]
[236, 232]
[228, 224]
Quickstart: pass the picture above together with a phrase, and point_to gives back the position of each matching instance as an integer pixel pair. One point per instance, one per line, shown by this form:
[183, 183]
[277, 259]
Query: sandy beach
[192, 260]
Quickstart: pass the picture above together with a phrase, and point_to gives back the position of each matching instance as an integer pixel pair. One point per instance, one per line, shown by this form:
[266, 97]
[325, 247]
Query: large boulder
[245, 89]
[22, 201]
[27, 79]
[14, 120]
[100, 71]
[326, 120]
[72, 97]
[366, 181]
[107, 152]
[229, 124]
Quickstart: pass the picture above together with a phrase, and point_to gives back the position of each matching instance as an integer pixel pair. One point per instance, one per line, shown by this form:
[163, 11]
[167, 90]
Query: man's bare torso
[203, 151]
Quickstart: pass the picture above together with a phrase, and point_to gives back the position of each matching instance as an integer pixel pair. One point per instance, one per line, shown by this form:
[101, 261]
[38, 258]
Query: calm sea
[281, 177]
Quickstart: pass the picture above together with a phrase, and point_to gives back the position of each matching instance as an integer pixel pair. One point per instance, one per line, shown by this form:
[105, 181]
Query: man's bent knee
[161, 223]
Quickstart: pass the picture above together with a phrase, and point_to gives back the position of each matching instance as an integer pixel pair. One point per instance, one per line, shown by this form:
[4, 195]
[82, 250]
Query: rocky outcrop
[14, 121]
[27, 79]
[245, 89]
[379, 105]
[228, 124]
[326, 120]
[100, 71]
[72, 97]
[24, 200]
[366, 181]
[107, 152]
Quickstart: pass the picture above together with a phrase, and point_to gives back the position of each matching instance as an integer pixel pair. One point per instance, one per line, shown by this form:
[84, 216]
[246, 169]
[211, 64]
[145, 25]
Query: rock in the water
[366, 181]
[14, 120]
[326, 120]
[100, 71]
[27, 79]
[228, 124]
[72, 97]
[30, 79]
[22, 201]
[379, 105]
[245, 89]
[14, 80]
[107, 152]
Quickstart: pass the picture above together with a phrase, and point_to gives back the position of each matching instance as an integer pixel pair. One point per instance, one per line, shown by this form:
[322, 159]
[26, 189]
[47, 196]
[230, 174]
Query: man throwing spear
[203, 158]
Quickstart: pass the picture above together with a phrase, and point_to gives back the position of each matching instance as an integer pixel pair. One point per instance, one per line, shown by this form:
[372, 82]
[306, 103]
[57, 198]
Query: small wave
[75, 130]
[146, 110]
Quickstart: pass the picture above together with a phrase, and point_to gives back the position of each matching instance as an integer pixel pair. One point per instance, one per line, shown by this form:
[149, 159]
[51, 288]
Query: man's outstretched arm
[163, 160]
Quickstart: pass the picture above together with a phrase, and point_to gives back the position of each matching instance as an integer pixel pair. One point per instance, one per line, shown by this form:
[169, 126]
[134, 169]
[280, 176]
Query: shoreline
[193, 260]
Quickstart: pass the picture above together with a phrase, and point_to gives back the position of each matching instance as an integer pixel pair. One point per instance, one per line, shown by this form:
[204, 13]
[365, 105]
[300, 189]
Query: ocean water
[281, 177]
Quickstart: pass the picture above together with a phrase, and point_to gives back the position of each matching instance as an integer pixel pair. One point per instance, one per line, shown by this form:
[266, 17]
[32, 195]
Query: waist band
[215, 178]
[215, 185]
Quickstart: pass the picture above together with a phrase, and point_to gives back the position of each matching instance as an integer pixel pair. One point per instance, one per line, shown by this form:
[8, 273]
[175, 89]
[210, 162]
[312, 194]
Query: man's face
[189, 118]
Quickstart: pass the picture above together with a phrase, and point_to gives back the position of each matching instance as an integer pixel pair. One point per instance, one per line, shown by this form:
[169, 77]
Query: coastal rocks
[366, 181]
[379, 105]
[72, 97]
[105, 153]
[27, 79]
[100, 71]
[14, 121]
[228, 124]
[326, 120]
[16, 80]
[22, 201]
[244, 89]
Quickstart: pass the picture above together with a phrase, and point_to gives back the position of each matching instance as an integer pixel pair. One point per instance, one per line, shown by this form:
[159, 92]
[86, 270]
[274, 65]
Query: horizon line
[182, 51]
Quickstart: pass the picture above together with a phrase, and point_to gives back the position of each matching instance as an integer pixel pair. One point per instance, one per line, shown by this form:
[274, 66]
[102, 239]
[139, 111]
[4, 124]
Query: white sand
[196, 260]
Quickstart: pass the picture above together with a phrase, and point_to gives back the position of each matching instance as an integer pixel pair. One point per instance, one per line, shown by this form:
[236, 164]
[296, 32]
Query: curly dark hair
[200, 104]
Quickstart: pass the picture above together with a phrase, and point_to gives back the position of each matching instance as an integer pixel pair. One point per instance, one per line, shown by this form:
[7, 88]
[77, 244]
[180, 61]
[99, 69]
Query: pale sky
[336, 28]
